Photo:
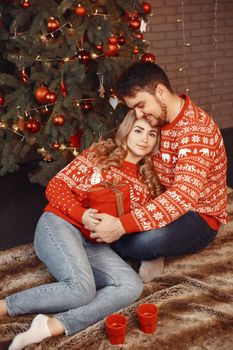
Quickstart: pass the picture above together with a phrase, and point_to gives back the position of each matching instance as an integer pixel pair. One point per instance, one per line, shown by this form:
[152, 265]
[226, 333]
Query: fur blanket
[194, 296]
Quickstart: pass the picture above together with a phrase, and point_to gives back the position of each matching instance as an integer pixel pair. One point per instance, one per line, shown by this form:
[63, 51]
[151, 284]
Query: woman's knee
[133, 287]
[79, 293]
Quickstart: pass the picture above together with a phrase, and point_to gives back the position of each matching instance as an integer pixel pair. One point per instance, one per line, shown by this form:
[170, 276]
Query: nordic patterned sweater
[67, 192]
[191, 165]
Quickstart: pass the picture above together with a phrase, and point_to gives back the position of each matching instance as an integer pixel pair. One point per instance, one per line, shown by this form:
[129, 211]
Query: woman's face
[141, 140]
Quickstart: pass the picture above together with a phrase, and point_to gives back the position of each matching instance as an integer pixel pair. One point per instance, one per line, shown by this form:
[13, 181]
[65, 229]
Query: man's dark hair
[141, 76]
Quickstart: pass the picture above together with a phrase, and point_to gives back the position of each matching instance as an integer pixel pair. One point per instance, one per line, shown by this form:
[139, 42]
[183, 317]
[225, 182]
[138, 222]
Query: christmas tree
[59, 62]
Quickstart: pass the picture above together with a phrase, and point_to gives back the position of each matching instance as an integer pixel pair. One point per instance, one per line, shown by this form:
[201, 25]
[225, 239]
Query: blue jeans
[92, 281]
[185, 235]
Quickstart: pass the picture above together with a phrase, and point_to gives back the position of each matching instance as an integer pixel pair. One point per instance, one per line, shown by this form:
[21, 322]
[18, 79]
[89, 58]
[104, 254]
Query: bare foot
[55, 327]
[3, 308]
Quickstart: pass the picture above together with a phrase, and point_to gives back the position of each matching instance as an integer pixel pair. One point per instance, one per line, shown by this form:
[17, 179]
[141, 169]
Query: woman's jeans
[92, 280]
[185, 235]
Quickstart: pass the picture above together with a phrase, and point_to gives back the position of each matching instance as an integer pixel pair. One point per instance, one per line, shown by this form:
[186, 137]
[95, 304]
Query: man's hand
[88, 220]
[108, 230]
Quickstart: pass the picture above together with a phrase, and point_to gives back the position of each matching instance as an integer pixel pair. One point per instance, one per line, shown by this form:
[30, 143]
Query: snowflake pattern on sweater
[191, 165]
[67, 192]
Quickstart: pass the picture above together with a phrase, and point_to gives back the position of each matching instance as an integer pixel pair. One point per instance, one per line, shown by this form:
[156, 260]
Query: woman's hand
[88, 221]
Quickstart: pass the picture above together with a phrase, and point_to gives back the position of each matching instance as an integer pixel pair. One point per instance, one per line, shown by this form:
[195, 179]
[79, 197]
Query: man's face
[148, 106]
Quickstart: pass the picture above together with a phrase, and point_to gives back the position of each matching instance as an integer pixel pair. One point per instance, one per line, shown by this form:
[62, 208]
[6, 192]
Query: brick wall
[194, 44]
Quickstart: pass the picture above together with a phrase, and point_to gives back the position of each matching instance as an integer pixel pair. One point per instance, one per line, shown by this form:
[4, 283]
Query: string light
[185, 45]
[96, 13]
[215, 43]
[16, 132]
[39, 107]
[44, 38]
[4, 125]
[84, 99]
[60, 28]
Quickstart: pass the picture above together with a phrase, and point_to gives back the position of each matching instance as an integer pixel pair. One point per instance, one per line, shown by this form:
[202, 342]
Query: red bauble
[126, 17]
[21, 123]
[100, 47]
[75, 140]
[80, 11]
[25, 4]
[2, 100]
[63, 89]
[136, 50]
[121, 40]
[112, 40]
[112, 50]
[146, 7]
[40, 94]
[84, 57]
[51, 97]
[130, 15]
[24, 76]
[135, 23]
[32, 125]
[59, 119]
[52, 24]
[138, 36]
[148, 57]
[86, 106]
[56, 145]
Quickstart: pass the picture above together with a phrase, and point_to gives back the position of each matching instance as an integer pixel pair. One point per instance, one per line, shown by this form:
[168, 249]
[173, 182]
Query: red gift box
[110, 198]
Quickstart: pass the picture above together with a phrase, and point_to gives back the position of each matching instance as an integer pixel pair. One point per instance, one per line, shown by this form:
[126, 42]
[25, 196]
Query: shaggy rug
[194, 296]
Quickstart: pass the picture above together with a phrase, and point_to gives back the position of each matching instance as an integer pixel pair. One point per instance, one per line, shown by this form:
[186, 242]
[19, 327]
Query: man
[191, 164]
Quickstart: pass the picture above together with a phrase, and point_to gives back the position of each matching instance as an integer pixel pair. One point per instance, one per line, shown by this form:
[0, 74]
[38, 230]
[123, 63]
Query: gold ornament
[47, 157]
[44, 38]
[3, 125]
[71, 31]
[75, 152]
[101, 91]
[15, 127]
[41, 151]
[31, 140]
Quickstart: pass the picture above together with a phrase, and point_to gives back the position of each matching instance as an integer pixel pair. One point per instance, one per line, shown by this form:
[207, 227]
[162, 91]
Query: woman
[92, 281]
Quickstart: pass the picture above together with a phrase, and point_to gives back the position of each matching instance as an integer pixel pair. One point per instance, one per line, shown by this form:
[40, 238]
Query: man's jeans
[185, 235]
[92, 281]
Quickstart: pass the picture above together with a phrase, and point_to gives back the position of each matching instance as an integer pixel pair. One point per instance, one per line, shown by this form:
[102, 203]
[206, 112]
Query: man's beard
[161, 120]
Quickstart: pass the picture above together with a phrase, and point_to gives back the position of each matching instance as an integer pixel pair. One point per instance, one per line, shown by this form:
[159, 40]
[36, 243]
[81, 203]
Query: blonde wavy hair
[107, 153]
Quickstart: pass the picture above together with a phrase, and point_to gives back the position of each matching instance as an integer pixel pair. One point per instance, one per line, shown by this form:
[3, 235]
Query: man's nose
[139, 113]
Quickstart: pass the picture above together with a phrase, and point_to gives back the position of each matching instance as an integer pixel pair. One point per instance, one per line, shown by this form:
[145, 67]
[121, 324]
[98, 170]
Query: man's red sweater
[192, 166]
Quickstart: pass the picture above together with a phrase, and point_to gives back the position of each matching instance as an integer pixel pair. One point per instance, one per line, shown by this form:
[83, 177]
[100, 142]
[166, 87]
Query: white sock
[151, 268]
[36, 333]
